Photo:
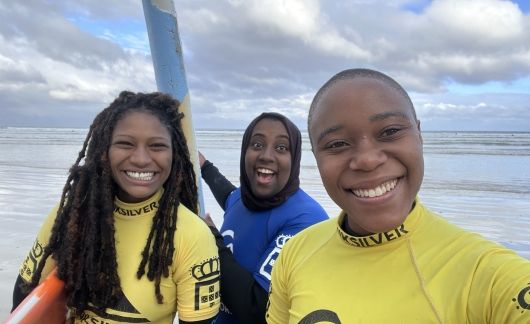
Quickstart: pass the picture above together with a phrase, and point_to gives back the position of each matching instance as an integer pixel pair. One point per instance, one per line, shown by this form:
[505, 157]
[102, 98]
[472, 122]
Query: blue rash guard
[256, 238]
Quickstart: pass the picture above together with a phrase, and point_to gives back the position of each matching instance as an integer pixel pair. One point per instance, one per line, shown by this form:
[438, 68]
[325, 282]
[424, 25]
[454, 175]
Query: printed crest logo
[30, 264]
[266, 267]
[206, 270]
[207, 287]
[37, 249]
[522, 301]
[282, 239]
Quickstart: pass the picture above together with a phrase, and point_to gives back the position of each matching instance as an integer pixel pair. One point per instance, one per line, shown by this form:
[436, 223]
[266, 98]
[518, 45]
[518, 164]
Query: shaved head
[351, 74]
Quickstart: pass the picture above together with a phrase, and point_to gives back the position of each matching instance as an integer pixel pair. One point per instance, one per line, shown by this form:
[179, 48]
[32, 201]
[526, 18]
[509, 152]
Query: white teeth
[266, 171]
[377, 191]
[143, 176]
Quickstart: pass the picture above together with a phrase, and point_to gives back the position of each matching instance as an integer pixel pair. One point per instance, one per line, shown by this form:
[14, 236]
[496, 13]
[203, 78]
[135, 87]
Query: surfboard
[45, 304]
[170, 74]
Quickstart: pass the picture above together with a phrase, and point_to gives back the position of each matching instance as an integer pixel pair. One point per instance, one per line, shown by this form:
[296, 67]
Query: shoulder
[190, 224]
[301, 196]
[435, 228]
[313, 236]
[233, 197]
[300, 207]
[435, 225]
[50, 219]
[307, 243]
[302, 202]
[193, 239]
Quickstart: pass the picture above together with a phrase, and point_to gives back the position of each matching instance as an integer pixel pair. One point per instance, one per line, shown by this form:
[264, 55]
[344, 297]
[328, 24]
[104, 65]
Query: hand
[202, 159]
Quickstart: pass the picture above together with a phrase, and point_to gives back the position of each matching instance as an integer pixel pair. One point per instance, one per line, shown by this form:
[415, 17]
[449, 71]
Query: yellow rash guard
[425, 271]
[192, 289]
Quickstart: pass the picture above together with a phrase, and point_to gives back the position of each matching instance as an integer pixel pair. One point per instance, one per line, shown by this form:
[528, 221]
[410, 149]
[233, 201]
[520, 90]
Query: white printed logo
[266, 267]
[230, 234]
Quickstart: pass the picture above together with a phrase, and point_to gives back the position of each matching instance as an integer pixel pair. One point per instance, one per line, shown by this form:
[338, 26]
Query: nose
[140, 156]
[267, 153]
[367, 156]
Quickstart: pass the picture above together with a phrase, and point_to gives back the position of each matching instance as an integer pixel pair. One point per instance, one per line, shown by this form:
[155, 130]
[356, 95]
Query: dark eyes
[130, 145]
[278, 147]
[256, 145]
[336, 144]
[159, 145]
[123, 144]
[390, 132]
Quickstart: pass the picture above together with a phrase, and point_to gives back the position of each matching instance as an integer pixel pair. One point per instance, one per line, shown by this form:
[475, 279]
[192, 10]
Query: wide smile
[140, 176]
[265, 175]
[377, 191]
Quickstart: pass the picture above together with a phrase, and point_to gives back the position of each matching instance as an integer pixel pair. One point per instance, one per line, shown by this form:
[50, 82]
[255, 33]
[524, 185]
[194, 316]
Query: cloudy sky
[466, 63]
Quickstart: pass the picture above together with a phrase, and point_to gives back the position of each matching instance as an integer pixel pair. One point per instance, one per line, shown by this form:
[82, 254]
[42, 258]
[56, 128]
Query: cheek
[415, 159]
[285, 170]
[248, 163]
[169, 163]
[327, 170]
[286, 162]
[420, 168]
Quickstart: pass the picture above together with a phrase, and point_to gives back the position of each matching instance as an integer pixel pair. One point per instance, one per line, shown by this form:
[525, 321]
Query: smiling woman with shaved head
[387, 258]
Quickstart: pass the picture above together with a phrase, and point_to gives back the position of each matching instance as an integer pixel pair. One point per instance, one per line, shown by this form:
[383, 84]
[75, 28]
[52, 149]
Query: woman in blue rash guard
[260, 216]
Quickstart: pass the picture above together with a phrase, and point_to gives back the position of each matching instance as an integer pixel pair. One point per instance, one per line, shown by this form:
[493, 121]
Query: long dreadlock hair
[82, 240]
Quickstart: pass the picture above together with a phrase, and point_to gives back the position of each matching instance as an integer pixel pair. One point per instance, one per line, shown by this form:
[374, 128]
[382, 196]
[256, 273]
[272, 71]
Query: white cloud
[485, 23]
[65, 60]
[302, 19]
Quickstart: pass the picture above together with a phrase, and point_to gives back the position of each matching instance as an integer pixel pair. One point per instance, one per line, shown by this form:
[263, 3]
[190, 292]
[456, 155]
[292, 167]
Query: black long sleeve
[243, 296]
[220, 186]
[18, 294]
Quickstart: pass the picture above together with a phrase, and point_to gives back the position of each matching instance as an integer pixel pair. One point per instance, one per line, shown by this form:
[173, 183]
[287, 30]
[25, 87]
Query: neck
[346, 228]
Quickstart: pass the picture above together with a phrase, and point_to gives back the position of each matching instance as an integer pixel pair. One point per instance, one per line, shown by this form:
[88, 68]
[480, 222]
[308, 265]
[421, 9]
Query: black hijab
[295, 145]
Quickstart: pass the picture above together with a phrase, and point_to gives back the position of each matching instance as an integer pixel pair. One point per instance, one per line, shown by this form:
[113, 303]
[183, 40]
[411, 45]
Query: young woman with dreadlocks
[260, 216]
[125, 237]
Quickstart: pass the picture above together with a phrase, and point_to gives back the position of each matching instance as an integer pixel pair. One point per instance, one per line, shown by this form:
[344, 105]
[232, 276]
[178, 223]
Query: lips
[264, 175]
[140, 176]
[376, 191]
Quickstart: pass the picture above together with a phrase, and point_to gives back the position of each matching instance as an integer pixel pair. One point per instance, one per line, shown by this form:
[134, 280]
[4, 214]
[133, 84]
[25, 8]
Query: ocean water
[478, 180]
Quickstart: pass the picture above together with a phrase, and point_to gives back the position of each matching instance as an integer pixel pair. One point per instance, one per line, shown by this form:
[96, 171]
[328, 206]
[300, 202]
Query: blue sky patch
[127, 33]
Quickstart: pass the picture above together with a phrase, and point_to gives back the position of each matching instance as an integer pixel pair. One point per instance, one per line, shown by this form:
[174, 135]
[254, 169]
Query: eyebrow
[263, 135]
[386, 115]
[329, 131]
